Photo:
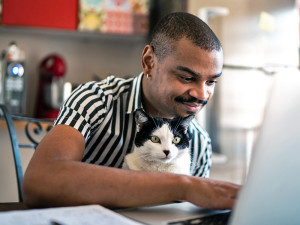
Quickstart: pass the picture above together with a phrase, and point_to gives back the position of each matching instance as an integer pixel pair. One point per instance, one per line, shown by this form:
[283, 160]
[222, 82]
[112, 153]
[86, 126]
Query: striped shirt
[103, 112]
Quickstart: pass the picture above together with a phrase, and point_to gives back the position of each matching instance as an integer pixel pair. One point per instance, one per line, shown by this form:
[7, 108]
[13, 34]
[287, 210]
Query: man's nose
[200, 92]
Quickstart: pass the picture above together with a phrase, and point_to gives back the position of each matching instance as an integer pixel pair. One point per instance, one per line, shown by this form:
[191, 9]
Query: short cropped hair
[178, 25]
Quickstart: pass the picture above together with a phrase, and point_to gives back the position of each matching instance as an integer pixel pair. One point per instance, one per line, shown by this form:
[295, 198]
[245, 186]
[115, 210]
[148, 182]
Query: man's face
[183, 82]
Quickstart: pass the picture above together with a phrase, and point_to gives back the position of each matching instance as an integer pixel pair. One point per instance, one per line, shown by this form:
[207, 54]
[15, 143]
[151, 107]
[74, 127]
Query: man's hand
[210, 193]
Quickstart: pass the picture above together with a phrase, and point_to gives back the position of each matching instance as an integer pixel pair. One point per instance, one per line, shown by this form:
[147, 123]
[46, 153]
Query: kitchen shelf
[74, 34]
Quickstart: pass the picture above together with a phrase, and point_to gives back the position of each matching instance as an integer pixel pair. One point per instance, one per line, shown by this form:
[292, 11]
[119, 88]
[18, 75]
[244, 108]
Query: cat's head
[160, 139]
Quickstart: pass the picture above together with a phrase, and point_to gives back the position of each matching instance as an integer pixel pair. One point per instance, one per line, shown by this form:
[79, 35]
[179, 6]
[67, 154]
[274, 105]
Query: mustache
[190, 100]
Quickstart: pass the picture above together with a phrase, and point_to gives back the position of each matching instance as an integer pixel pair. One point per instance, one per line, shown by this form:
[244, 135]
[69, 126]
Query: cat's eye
[176, 140]
[155, 139]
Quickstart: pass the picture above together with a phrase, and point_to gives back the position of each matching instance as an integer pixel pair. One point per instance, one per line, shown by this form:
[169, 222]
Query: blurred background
[49, 47]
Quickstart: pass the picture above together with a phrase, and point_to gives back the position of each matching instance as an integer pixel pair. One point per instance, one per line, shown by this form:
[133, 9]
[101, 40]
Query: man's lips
[193, 107]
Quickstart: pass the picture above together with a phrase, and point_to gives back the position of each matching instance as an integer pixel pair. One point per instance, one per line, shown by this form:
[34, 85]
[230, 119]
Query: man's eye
[187, 79]
[155, 139]
[212, 82]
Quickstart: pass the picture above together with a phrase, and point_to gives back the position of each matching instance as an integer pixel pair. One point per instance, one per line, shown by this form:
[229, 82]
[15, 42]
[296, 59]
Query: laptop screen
[271, 194]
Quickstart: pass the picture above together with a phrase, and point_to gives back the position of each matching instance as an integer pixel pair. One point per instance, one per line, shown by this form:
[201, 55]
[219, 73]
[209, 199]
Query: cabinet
[40, 13]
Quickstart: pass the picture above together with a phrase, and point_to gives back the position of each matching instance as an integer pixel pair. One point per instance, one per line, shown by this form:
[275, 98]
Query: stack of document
[78, 215]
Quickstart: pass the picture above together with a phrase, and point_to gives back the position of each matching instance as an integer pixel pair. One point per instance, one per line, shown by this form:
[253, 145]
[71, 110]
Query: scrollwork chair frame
[10, 118]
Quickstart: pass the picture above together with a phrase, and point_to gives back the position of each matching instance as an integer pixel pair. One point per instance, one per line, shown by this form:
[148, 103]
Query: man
[74, 163]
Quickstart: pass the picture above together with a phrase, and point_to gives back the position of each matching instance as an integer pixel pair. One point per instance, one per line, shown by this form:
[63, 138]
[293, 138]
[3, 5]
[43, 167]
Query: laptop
[271, 193]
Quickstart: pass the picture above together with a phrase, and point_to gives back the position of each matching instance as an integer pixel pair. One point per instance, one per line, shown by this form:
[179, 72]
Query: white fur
[151, 157]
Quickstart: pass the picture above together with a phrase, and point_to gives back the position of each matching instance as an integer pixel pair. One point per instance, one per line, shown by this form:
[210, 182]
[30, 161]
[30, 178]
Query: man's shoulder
[109, 85]
[109, 81]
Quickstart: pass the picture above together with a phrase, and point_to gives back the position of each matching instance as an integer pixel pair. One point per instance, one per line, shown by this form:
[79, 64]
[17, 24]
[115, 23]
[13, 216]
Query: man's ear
[140, 118]
[148, 58]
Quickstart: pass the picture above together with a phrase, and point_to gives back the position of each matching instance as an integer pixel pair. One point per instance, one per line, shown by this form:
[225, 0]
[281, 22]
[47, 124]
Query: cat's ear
[186, 122]
[140, 118]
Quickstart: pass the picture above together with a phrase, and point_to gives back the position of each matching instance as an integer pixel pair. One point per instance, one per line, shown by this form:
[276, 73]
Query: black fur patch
[147, 125]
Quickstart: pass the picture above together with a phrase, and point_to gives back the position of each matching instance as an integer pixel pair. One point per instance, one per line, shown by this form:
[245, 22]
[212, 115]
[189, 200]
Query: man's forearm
[75, 183]
[55, 176]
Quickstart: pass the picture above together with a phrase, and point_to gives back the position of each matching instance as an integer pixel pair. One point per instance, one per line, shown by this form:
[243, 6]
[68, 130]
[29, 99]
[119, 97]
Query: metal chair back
[33, 128]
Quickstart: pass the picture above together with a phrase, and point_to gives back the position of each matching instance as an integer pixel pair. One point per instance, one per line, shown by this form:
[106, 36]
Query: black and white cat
[160, 145]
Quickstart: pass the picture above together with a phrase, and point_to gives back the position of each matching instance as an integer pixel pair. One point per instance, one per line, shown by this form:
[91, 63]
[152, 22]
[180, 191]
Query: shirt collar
[135, 95]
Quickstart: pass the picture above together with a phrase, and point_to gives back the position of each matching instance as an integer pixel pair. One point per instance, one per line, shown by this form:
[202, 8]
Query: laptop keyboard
[216, 219]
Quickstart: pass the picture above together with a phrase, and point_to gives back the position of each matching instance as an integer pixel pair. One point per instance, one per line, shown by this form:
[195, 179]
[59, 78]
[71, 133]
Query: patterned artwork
[114, 16]
[91, 14]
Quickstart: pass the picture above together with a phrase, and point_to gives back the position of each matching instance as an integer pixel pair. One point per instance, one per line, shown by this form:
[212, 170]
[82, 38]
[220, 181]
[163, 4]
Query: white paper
[78, 215]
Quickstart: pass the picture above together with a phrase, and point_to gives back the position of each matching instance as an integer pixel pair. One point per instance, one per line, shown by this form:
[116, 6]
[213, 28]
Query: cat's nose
[167, 152]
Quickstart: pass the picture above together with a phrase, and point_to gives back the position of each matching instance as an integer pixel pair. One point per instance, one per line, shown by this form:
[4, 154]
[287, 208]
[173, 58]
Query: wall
[85, 55]
[244, 42]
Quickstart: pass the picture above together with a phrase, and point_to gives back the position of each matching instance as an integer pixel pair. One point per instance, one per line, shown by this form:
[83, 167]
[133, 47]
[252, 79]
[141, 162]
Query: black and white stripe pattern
[104, 114]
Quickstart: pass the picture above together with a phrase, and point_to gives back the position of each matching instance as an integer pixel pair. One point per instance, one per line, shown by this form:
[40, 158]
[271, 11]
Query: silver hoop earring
[148, 76]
